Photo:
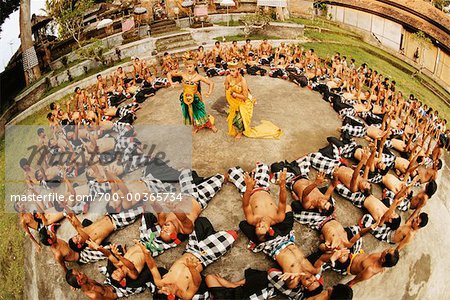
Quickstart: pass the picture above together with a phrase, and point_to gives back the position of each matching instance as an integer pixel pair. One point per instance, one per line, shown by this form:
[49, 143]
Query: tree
[69, 15]
[7, 7]
[254, 22]
[29, 57]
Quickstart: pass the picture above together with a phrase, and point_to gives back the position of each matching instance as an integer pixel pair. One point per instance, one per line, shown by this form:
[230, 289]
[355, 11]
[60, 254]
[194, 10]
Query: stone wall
[300, 8]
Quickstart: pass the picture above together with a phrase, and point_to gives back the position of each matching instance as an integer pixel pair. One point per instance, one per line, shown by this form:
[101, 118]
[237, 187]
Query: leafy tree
[69, 16]
[254, 22]
[424, 43]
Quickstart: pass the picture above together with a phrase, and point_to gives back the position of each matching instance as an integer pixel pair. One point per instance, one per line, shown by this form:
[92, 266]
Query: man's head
[247, 41]
[217, 43]
[118, 275]
[24, 164]
[340, 292]
[19, 206]
[310, 285]
[389, 258]
[76, 243]
[39, 175]
[47, 237]
[261, 228]
[365, 187]
[77, 90]
[430, 188]
[326, 207]
[168, 232]
[41, 132]
[420, 221]
[75, 278]
[438, 164]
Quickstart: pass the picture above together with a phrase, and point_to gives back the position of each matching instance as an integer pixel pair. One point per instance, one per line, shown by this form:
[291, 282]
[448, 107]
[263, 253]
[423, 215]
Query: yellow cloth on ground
[266, 129]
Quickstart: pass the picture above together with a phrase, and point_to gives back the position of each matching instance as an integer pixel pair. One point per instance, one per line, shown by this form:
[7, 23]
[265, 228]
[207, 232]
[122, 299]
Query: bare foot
[238, 136]
[214, 129]
[195, 130]
[226, 177]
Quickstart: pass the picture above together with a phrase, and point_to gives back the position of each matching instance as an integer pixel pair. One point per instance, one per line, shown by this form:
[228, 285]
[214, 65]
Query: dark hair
[423, 219]
[234, 41]
[439, 164]
[166, 53]
[77, 89]
[49, 115]
[313, 293]
[431, 188]
[52, 105]
[71, 279]
[247, 40]
[341, 292]
[44, 237]
[217, 43]
[329, 211]
[395, 223]
[23, 162]
[391, 259]
[76, 247]
[98, 75]
[40, 130]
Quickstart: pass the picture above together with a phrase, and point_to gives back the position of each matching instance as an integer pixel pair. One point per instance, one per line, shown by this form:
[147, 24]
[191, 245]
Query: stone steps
[163, 26]
[174, 42]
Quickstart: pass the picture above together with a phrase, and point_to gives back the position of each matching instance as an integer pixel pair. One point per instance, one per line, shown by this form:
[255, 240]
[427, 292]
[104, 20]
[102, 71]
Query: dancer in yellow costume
[241, 109]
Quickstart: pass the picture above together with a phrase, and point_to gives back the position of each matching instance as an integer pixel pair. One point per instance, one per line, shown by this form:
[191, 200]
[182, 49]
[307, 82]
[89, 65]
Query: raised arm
[78, 227]
[354, 181]
[150, 262]
[248, 212]
[319, 179]
[281, 212]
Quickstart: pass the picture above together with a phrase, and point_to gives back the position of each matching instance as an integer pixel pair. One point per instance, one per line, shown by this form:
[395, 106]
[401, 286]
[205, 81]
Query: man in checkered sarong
[98, 231]
[277, 279]
[184, 279]
[254, 286]
[169, 228]
[259, 208]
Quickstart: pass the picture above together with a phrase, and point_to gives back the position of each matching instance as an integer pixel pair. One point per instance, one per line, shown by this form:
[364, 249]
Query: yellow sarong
[266, 129]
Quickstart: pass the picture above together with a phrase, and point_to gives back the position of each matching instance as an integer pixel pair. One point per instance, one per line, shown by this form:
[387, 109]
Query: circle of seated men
[402, 152]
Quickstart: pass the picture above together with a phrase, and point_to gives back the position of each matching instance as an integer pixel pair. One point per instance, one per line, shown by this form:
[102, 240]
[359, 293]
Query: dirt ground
[306, 120]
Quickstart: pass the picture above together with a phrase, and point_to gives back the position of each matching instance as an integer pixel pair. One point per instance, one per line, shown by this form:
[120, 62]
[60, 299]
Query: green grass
[12, 273]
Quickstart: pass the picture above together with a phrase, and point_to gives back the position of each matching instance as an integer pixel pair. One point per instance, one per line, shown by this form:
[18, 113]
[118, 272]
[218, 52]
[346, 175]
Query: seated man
[184, 279]
[259, 208]
[254, 284]
[98, 231]
[365, 266]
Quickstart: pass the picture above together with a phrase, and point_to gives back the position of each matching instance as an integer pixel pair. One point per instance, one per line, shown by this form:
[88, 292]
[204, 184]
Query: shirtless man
[98, 231]
[259, 208]
[234, 52]
[91, 288]
[365, 266]
[128, 265]
[217, 53]
[247, 48]
[39, 222]
[306, 191]
[352, 179]
[183, 278]
[265, 52]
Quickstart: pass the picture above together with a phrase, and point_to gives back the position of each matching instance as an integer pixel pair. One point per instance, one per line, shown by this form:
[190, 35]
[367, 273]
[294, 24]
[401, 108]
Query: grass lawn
[12, 237]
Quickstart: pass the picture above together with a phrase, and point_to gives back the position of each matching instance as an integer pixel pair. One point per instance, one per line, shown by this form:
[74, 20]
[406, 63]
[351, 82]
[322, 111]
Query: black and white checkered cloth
[264, 294]
[382, 233]
[262, 177]
[157, 186]
[354, 131]
[127, 217]
[388, 159]
[322, 163]
[149, 233]
[275, 281]
[88, 256]
[388, 144]
[390, 195]
[356, 198]
[126, 291]
[312, 219]
[346, 112]
[96, 188]
[211, 248]
[302, 163]
[202, 192]
[274, 246]
[397, 131]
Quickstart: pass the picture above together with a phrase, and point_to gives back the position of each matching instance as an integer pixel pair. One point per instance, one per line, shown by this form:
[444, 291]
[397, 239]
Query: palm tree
[29, 57]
